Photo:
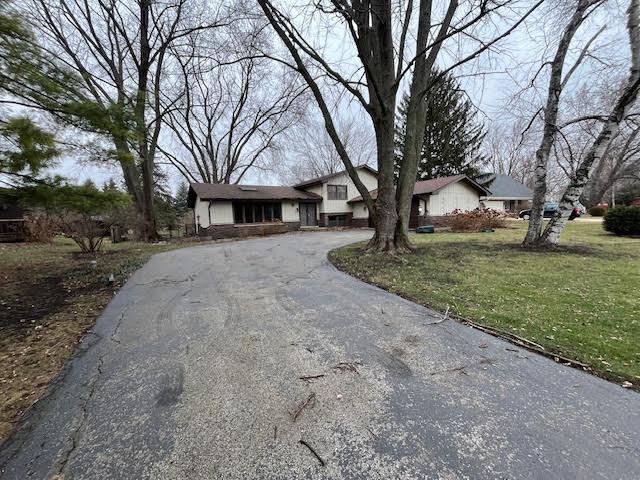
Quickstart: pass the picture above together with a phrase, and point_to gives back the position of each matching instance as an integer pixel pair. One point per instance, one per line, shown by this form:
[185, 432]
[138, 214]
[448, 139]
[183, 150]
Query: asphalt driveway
[193, 372]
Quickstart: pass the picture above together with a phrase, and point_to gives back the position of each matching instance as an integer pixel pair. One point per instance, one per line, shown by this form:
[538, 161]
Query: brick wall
[324, 218]
[359, 222]
[215, 232]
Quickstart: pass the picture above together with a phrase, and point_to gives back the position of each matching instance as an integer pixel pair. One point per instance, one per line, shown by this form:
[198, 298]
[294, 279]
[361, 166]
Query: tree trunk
[149, 232]
[416, 118]
[629, 95]
[385, 215]
[550, 114]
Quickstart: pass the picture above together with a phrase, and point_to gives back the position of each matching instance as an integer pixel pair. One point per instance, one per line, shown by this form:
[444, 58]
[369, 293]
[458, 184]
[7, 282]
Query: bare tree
[386, 58]
[309, 152]
[557, 82]
[508, 154]
[119, 50]
[609, 129]
[620, 161]
[233, 107]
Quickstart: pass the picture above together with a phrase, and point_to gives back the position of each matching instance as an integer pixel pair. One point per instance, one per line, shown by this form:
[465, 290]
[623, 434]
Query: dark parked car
[550, 210]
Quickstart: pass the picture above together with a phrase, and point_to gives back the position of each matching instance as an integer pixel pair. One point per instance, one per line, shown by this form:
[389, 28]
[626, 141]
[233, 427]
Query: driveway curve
[194, 372]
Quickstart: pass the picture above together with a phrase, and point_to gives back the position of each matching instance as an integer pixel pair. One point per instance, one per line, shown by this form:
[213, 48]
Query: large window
[256, 212]
[337, 192]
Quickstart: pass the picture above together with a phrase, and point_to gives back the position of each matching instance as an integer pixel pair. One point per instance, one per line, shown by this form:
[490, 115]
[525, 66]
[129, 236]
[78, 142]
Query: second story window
[337, 192]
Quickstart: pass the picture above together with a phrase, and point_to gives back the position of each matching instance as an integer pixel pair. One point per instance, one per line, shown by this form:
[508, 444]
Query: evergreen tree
[25, 150]
[181, 199]
[452, 136]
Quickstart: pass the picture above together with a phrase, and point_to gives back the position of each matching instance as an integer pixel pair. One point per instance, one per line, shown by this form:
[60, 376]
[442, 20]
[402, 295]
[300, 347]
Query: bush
[38, 228]
[623, 220]
[475, 220]
[597, 211]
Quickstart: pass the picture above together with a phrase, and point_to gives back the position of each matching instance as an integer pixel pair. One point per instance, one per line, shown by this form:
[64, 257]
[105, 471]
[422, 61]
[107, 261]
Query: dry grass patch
[51, 295]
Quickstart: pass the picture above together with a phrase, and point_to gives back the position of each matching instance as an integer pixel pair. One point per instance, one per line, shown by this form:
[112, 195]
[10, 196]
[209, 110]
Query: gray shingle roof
[505, 187]
[433, 185]
[219, 191]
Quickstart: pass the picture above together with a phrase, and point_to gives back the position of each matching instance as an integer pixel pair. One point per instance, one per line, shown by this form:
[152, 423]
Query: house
[221, 210]
[507, 194]
[437, 197]
[336, 189]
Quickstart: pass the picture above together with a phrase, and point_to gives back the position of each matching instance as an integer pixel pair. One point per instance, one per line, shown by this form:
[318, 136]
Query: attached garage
[438, 197]
[441, 196]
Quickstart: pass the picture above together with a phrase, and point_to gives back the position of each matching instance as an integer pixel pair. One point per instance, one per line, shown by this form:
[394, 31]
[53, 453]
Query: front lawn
[50, 296]
[581, 302]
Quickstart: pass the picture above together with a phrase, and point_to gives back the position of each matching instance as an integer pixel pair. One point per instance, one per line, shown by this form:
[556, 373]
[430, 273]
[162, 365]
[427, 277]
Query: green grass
[581, 301]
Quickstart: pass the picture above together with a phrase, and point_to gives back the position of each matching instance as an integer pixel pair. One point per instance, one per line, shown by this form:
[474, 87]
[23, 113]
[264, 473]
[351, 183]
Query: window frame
[334, 190]
[268, 212]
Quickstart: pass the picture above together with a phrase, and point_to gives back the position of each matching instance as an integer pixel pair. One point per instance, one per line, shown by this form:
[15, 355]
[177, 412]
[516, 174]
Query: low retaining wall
[215, 232]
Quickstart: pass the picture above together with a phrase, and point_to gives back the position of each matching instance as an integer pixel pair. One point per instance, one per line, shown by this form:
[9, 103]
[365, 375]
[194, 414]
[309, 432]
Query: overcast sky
[490, 83]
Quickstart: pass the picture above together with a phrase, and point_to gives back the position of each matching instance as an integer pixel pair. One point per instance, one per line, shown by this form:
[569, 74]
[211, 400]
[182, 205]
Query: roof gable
[325, 178]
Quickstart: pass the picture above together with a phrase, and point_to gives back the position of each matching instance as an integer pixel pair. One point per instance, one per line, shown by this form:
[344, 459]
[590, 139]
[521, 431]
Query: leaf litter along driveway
[258, 359]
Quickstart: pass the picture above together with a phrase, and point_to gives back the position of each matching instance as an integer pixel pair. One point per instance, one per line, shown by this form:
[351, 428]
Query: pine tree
[452, 136]
[181, 198]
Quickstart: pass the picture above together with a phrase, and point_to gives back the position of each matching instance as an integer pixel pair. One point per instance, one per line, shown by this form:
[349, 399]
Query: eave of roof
[434, 185]
[324, 178]
[225, 192]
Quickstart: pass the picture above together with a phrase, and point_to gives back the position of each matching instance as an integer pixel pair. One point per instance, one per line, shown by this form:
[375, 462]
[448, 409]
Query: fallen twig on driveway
[313, 451]
[523, 342]
[347, 367]
[309, 378]
[308, 403]
[444, 318]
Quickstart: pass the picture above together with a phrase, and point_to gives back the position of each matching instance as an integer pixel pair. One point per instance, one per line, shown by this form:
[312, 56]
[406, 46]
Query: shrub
[597, 211]
[623, 220]
[38, 228]
[81, 212]
[475, 220]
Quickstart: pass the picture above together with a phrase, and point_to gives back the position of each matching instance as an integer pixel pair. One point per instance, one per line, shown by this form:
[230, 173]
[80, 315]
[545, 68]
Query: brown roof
[219, 191]
[324, 178]
[433, 185]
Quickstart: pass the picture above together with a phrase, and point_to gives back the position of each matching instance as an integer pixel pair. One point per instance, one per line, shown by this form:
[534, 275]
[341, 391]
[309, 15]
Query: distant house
[11, 220]
[439, 196]
[221, 210]
[507, 194]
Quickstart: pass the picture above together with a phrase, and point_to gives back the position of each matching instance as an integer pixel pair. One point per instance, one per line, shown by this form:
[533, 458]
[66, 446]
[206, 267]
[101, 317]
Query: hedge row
[622, 220]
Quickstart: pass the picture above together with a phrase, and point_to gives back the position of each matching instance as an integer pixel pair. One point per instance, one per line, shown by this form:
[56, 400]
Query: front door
[307, 214]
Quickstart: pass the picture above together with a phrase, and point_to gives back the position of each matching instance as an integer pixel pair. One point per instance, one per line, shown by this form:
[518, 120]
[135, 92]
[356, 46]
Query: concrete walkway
[193, 372]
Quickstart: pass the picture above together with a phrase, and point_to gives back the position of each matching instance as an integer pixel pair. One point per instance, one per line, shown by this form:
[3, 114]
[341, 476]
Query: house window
[337, 192]
[256, 212]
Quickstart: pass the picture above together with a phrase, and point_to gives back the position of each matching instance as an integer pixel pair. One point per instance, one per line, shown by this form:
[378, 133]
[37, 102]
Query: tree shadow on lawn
[457, 251]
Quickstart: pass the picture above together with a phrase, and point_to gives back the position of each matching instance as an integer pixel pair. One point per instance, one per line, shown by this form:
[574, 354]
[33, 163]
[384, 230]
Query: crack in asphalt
[76, 434]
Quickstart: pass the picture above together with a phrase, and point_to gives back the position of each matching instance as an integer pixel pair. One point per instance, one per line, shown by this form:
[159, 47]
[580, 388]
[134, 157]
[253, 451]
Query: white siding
[341, 206]
[360, 210]
[290, 212]
[220, 212]
[454, 196]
